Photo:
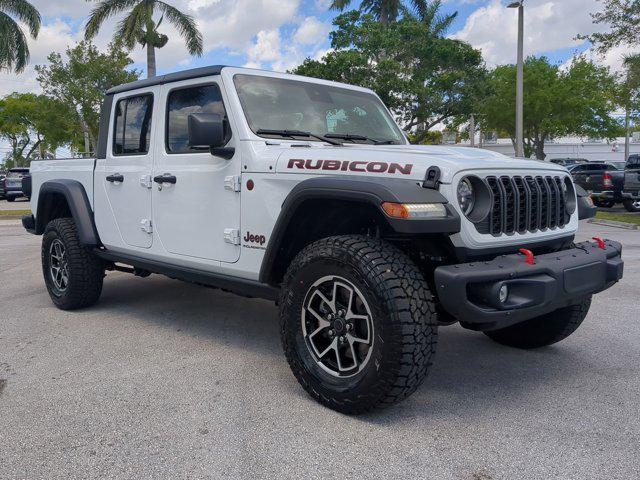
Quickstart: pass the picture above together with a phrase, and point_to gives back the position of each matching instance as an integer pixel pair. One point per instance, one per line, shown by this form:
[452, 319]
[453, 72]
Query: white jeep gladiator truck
[305, 192]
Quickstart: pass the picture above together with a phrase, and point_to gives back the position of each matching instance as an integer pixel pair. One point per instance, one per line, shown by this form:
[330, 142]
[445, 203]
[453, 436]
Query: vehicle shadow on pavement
[472, 375]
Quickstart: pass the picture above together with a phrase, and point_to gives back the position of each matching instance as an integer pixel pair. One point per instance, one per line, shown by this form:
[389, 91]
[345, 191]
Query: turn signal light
[414, 210]
[607, 180]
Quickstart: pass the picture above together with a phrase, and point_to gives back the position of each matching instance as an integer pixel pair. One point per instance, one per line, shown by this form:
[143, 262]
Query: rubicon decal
[351, 166]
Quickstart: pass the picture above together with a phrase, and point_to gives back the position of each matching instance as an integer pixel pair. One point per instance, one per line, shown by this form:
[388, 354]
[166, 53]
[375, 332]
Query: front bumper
[469, 291]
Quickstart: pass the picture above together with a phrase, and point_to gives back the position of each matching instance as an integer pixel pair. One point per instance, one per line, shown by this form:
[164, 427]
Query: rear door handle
[165, 178]
[116, 177]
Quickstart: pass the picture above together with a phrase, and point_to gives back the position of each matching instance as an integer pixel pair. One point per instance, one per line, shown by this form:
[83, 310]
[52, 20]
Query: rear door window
[132, 125]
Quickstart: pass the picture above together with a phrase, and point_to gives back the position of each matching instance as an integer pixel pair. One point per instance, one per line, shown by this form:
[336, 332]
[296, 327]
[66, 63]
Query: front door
[121, 179]
[195, 207]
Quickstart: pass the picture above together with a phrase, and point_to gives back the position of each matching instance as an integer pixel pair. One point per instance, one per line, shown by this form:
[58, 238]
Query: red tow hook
[601, 245]
[531, 260]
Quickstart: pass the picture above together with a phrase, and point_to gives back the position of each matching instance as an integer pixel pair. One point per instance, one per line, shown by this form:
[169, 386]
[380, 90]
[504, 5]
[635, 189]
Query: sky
[280, 34]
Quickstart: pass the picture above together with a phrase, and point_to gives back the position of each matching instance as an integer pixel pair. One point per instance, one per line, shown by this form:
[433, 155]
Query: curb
[613, 223]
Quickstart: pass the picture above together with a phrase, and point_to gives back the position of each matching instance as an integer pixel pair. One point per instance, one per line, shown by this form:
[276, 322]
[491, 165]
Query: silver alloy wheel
[636, 204]
[337, 326]
[58, 265]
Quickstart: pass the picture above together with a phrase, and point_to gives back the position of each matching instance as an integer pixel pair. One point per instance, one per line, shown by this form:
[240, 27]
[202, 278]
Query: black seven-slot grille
[524, 204]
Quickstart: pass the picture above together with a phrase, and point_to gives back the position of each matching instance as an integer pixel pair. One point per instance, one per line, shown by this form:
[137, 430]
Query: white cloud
[266, 47]
[52, 37]
[311, 31]
[323, 5]
[549, 25]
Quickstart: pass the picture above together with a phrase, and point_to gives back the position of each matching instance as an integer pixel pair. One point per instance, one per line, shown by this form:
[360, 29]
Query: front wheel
[604, 203]
[72, 274]
[632, 205]
[545, 329]
[358, 323]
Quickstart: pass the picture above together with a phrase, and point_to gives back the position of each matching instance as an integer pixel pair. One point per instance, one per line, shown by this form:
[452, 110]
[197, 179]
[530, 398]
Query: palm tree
[14, 51]
[138, 26]
[428, 13]
[385, 11]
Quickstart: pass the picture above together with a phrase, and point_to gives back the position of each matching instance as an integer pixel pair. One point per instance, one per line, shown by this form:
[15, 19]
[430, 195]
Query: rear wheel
[544, 330]
[72, 274]
[11, 199]
[632, 205]
[604, 203]
[357, 323]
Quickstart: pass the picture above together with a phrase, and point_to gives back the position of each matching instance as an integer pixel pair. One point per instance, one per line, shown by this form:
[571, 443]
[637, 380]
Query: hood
[399, 161]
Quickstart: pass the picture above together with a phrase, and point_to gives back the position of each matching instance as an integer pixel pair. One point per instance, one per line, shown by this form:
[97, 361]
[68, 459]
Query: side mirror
[207, 130]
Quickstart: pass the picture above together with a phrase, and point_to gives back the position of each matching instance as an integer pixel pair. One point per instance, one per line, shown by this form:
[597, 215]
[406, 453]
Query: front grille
[524, 204]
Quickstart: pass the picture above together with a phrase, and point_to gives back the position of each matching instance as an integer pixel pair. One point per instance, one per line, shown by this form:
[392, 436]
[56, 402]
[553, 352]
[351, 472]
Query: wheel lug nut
[331, 333]
[342, 340]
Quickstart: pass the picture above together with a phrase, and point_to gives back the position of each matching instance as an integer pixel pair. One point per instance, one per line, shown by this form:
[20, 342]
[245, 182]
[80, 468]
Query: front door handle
[165, 178]
[116, 177]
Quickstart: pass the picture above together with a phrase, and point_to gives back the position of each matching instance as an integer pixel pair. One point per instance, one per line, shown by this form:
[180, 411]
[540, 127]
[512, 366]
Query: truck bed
[80, 169]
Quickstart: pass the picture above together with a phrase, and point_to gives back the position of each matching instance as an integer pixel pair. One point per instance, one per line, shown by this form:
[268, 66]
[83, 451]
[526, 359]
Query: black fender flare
[79, 206]
[373, 191]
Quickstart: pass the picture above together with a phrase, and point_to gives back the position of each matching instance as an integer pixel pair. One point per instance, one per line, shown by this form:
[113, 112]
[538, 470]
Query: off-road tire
[85, 270]
[402, 310]
[631, 206]
[544, 330]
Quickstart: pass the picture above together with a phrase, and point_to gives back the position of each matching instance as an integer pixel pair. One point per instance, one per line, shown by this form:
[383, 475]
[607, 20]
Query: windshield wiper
[352, 137]
[297, 133]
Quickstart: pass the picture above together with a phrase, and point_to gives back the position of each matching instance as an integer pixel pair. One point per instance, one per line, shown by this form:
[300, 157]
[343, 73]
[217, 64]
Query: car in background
[603, 181]
[618, 165]
[2, 177]
[13, 183]
[631, 189]
[566, 162]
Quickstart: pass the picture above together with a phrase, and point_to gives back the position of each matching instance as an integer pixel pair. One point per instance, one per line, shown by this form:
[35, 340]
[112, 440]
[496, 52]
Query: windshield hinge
[232, 236]
[232, 183]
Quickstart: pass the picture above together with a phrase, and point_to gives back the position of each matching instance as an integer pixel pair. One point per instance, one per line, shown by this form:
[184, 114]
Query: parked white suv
[306, 192]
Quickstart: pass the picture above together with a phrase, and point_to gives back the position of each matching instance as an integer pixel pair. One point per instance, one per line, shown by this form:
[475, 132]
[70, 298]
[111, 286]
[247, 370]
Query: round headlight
[466, 196]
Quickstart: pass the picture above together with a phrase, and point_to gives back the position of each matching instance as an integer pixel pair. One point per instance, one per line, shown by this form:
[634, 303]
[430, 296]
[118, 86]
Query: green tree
[575, 101]
[139, 26]
[35, 126]
[82, 79]
[14, 51]
[623, 18]
[423, 77]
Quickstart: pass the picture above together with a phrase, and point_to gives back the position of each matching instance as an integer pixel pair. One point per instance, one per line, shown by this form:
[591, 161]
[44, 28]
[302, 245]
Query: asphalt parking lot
[163, 379]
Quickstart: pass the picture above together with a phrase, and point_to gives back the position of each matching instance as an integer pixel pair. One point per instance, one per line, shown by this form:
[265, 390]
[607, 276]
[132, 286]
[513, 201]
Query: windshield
[282, 104]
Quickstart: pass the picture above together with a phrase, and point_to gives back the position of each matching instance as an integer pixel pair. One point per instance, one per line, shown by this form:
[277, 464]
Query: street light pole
[520, 80]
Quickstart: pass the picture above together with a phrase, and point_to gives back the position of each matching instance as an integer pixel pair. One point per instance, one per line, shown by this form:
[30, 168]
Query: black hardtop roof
[170, 77]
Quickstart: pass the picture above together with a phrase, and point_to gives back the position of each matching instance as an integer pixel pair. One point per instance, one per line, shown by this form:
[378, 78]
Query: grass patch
[13, 214]
[633, 218]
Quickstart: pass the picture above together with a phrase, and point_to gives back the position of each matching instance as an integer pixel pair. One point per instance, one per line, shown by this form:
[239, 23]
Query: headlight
[466, 196]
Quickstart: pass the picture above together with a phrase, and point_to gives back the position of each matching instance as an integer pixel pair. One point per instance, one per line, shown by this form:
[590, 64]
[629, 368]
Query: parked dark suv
[13, 183]
[2, 177]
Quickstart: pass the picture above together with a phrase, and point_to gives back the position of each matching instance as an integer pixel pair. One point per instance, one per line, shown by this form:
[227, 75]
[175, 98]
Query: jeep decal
[346, 165]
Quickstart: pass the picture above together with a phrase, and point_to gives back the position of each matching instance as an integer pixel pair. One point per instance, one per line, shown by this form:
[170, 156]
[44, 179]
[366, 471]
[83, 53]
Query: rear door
[198, 214]
[122, 181]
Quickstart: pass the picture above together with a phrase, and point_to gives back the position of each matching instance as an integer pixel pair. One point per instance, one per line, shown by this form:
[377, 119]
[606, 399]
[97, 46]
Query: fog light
[503, 293]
